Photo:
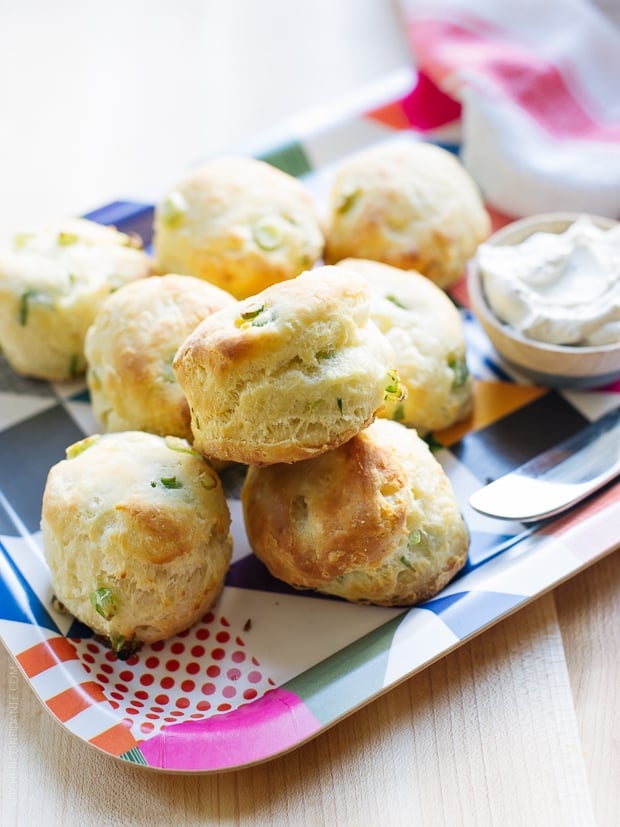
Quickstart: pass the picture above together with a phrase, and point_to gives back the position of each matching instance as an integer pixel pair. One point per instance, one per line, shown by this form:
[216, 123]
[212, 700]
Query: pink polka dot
[114, 704]
[172, 665]
[208, 688]
[198, 651]
[271, 682]
[249, 694]
[103, 678]
[132, 660]
[121, 687]
[192, 668]
[177, 648]
[184, 633]
[170, 720]
[117, 695]
[254, 677]
[233, 674]
[156, 709]
[105, 667]
[196, 715]
[213, 671]
[131, 711]
[162, 699]
[182, 703]
[152, 662]
[203, 634]
[152, 716]
[224, 622]
[239, 642]
[92, 647]
[86, 667]
[147, 727]
[229, 692]
[223, 707]
[222, 637]
[88, 658]
[255, 662]
[137, 703]
[238, 657]
[176, 712]
[208, 618]
[146, 680]
[157, 646]
[188, 686]
[142, 694]
[109, 655]
[204, 705]
[166, 682]
[218, 654]
[126, 675]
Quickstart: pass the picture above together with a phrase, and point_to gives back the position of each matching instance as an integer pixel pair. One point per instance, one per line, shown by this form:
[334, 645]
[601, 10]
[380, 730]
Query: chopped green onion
[267, 236]
[208, 481]
[24, 306]
[399, 412]
[117, 642]
[104, 603]
[395, 301]
[433, 444]
[21, 239]
[74, 363]
[347, 201]
[394, 391]
[414, 538]
[406, 563]
[458, 366]
[171, 482]
[339, 403]
[248, 315]
[79, 447]
[175, 443]
[66, 239]
[173, 209]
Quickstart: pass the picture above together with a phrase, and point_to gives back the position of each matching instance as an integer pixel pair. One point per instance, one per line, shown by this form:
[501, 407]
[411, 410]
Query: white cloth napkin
[538, 82]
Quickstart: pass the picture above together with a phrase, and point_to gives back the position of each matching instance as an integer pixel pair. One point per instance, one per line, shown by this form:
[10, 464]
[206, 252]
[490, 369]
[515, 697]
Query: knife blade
[558, 478]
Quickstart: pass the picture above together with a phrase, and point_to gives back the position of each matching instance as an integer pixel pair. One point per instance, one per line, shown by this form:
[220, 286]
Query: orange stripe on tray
[71, 701]
[116, 740]
[44, 655]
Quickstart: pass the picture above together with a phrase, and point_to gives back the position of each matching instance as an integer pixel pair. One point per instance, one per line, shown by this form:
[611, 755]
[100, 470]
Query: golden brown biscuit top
[360, 495]
[316, 313]
[151, 494]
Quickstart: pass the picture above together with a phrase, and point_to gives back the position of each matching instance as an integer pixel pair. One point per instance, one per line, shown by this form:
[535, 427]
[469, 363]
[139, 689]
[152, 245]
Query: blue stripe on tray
[18, 601]
[468, 612]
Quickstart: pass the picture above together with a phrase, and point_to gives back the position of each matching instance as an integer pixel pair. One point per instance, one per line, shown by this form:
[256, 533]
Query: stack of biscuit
[319, 378]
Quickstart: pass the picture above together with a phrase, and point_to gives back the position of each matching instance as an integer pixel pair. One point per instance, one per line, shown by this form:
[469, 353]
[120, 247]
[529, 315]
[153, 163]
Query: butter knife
[558, 478]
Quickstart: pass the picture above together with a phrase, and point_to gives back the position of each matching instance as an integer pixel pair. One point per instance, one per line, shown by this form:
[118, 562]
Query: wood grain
[518, 726]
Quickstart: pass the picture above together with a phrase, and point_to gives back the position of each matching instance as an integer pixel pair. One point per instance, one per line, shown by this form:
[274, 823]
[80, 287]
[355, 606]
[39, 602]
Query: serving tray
[269, 668]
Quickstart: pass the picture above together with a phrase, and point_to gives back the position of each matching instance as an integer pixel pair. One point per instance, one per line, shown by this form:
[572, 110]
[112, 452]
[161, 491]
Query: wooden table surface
[518, 726]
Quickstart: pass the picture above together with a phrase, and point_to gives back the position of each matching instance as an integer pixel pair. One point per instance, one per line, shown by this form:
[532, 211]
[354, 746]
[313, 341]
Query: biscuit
[426, 331]
[52, 282]
[287, 374]
[239, 223]
[374, 521]
[409, 204]
[129, 350]
[135, 531]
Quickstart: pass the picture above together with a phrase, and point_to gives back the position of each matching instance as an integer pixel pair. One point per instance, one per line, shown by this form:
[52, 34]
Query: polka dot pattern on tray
[201, 672]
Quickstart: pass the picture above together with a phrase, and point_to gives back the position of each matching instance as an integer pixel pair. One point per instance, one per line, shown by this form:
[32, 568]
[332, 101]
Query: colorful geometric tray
[269, 668]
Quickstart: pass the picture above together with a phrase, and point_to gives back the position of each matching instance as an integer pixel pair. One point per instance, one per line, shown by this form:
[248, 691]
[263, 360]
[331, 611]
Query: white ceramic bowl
[570, 366]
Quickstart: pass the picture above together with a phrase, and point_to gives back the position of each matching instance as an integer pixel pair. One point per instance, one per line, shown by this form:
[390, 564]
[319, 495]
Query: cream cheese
[559, 288]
